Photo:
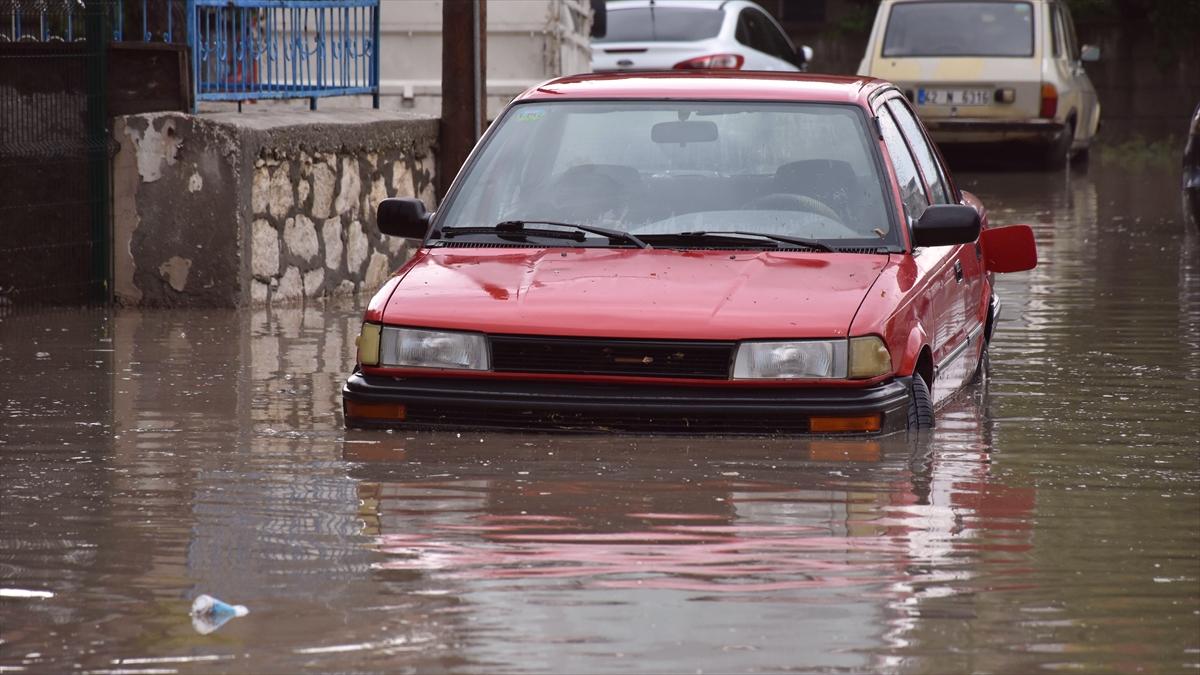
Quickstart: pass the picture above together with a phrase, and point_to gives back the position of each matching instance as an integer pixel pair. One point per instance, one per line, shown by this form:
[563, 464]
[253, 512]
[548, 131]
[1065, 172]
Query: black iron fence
[55, 153]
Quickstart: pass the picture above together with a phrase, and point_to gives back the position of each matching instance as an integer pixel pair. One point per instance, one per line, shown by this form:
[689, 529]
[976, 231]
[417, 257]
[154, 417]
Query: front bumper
[982, 130]
[453, 403]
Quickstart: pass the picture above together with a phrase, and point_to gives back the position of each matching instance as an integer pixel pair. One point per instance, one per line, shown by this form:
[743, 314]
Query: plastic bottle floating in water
[209, 613]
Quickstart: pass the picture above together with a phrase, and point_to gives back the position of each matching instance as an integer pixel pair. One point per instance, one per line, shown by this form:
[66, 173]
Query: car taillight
[713, 62]
[1049, 101]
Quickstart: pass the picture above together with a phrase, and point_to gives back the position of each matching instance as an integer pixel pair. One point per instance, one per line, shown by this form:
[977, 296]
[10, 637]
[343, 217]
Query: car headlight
[793, 359]
[409, 347]
[862, 357]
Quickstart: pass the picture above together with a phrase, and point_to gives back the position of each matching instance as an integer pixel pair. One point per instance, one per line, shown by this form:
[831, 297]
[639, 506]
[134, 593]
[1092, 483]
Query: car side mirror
[599, 18]
[946, 225]
[1008, 249]
[804, 54]
[404, 217]
[1089, 53]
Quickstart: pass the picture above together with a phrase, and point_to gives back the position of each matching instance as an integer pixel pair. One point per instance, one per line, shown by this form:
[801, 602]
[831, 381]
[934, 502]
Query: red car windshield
[797, 170]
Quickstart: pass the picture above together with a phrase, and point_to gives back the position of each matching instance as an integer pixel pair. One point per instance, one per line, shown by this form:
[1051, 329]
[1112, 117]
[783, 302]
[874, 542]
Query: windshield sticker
[531, 115]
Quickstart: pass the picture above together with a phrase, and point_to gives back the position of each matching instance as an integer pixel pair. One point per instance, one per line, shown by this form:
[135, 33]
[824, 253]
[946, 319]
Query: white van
[990, 71]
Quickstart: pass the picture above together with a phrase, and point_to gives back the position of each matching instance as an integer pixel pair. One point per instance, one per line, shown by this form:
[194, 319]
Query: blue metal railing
[259, 49]
[241, 49]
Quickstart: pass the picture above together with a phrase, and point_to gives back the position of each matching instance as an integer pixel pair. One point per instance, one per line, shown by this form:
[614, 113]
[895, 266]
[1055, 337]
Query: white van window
[1055, 32]
[960, 29]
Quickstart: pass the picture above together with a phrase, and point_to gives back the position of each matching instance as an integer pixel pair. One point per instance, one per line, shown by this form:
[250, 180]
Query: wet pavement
[1052, 522]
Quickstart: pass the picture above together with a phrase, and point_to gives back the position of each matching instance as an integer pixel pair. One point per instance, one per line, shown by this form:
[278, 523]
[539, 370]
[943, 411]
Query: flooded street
[1051, 523]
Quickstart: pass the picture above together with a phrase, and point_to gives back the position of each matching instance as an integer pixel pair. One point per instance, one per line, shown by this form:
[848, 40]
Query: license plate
[954, 96]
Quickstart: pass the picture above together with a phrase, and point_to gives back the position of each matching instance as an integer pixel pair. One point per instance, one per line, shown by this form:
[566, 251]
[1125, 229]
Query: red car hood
[633, 293]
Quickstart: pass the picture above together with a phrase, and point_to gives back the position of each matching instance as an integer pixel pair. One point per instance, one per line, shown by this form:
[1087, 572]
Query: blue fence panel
[241, 49]
[259, 49]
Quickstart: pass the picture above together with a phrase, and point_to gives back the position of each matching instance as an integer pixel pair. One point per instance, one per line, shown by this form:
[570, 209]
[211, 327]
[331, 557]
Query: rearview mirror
[1089, 53]
[1008, 249]
[946, 225]
[404, 217]
[698, 131]
[804, 55]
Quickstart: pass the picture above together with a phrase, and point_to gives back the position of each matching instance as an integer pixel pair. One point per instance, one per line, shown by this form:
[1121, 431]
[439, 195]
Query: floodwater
[1051, 522]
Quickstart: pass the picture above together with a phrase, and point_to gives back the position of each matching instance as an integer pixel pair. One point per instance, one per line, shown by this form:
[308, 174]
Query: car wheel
[920, 405]
[1056, 155]
[1081, 156]
[981, 367]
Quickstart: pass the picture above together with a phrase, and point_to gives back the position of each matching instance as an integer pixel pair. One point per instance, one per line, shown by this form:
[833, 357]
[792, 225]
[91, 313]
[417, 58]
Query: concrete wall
[265, 207]
[528, 41]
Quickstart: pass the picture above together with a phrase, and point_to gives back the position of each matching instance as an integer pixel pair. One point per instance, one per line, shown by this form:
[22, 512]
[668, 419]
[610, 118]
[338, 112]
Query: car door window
[778, 44]
[1069, 43]
[912, 192]
[1055, 32]
[755, 34]
[742, 33]
[930, 168]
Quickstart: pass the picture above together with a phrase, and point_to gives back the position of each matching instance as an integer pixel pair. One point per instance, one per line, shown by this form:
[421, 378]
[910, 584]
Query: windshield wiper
[518, 227]
[806, 243]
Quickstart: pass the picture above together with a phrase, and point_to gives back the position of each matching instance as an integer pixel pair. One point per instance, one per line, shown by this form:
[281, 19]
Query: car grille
[583, 356]
[475, 417]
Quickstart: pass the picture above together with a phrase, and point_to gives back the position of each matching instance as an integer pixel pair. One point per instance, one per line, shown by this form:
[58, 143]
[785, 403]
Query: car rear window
[662, 24]
[960, 29]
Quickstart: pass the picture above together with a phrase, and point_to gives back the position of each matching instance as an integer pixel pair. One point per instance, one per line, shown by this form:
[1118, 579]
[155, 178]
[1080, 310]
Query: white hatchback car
[693, 34]
[990, 71]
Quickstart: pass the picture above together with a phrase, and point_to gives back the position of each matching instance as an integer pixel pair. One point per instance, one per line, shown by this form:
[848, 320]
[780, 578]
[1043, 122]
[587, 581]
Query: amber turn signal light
[379, 411]
[859, 423]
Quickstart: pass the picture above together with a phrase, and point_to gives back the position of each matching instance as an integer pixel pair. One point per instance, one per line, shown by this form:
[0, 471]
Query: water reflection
[1051, 521]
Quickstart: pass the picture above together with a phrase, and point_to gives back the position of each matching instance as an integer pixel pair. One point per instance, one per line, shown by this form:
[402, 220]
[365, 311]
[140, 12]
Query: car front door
[966, 299]
[937, 285]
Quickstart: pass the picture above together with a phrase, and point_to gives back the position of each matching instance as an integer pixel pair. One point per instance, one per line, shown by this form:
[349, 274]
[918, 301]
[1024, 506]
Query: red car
[700, 252]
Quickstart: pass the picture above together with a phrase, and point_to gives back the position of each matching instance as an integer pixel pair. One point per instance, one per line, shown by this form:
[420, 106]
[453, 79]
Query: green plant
[1140, 152]
[857, 20]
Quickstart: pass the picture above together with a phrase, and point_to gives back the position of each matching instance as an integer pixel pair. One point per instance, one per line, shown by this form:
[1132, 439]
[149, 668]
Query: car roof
[709, 85]
[698, 4]
[905, 2]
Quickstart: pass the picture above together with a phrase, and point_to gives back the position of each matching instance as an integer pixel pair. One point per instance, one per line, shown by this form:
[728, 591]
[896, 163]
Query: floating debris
[209, 613]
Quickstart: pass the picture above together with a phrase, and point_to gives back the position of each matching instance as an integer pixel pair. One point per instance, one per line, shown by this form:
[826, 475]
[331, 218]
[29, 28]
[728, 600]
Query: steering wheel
[580, 198]
[785, 201]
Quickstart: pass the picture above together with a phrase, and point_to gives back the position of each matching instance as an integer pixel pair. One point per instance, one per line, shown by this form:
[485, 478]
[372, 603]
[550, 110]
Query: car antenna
[653, 32]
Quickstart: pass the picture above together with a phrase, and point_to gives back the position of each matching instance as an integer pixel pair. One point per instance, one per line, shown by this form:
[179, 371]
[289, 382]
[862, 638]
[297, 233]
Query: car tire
[1081, 156]
[920, 405]
[982, 366]
[1056, 155]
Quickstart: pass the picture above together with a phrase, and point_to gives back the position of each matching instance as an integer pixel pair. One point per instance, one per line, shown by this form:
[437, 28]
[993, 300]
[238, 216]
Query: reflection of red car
[706, 252]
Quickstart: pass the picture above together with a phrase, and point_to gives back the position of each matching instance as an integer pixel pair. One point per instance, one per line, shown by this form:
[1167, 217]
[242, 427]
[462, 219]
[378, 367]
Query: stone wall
[261, 208]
